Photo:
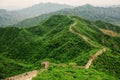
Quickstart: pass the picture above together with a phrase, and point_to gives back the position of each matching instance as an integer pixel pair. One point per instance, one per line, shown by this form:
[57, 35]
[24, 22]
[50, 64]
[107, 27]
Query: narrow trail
[92, 57]
[24, 76]
[109, 32]
[80, 35]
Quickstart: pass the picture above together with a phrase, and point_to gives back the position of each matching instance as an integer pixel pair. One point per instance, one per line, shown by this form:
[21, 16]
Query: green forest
[22, 49]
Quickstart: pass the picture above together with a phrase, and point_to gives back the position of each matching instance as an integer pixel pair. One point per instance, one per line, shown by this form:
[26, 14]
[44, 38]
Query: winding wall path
[24, 76]
[31, 74]
[92, 57]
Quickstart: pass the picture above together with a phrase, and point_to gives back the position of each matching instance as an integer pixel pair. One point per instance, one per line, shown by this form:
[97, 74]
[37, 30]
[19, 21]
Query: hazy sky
[17, 4]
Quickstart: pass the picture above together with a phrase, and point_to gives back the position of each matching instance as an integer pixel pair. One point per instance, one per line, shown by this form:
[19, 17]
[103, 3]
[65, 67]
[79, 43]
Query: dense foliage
[22, 49]
[67, 73]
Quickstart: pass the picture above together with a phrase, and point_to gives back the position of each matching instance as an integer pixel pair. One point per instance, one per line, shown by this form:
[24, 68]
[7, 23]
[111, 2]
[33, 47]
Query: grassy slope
[10, 67]
[51, 40]
[109, 61]
[90, 30]
[67, 73]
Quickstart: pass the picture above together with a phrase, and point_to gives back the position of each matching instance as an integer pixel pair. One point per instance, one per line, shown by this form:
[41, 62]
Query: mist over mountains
[107, 14]
[41, 8]
[12, 17]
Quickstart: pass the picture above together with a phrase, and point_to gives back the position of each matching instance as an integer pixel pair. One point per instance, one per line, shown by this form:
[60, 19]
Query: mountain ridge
[51, 40]
[106, 14]
[8, 18]
[42, 8]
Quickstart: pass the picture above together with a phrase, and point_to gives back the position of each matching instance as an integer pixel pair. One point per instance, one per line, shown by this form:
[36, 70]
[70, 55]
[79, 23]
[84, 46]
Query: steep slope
[108, 14]
[10, 67]
[53, 40]
[106, 40]
[107, 70]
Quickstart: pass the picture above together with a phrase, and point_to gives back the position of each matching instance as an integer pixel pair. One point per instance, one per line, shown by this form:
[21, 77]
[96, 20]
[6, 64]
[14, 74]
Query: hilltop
[8, 18]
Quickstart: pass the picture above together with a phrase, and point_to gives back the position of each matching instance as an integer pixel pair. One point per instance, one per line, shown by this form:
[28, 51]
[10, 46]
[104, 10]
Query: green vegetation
[10, 67]
[24, 48]
[67, 73]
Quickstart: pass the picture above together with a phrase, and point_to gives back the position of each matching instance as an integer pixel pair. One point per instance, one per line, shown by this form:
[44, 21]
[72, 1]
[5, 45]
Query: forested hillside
[22, 49]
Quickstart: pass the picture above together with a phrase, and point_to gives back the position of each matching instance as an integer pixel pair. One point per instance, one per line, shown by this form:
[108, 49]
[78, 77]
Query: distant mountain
[13, 17]
[61, 39]
[41, 8]
[110, 14]
[9, 18]
[115, 6]
[106, 14]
